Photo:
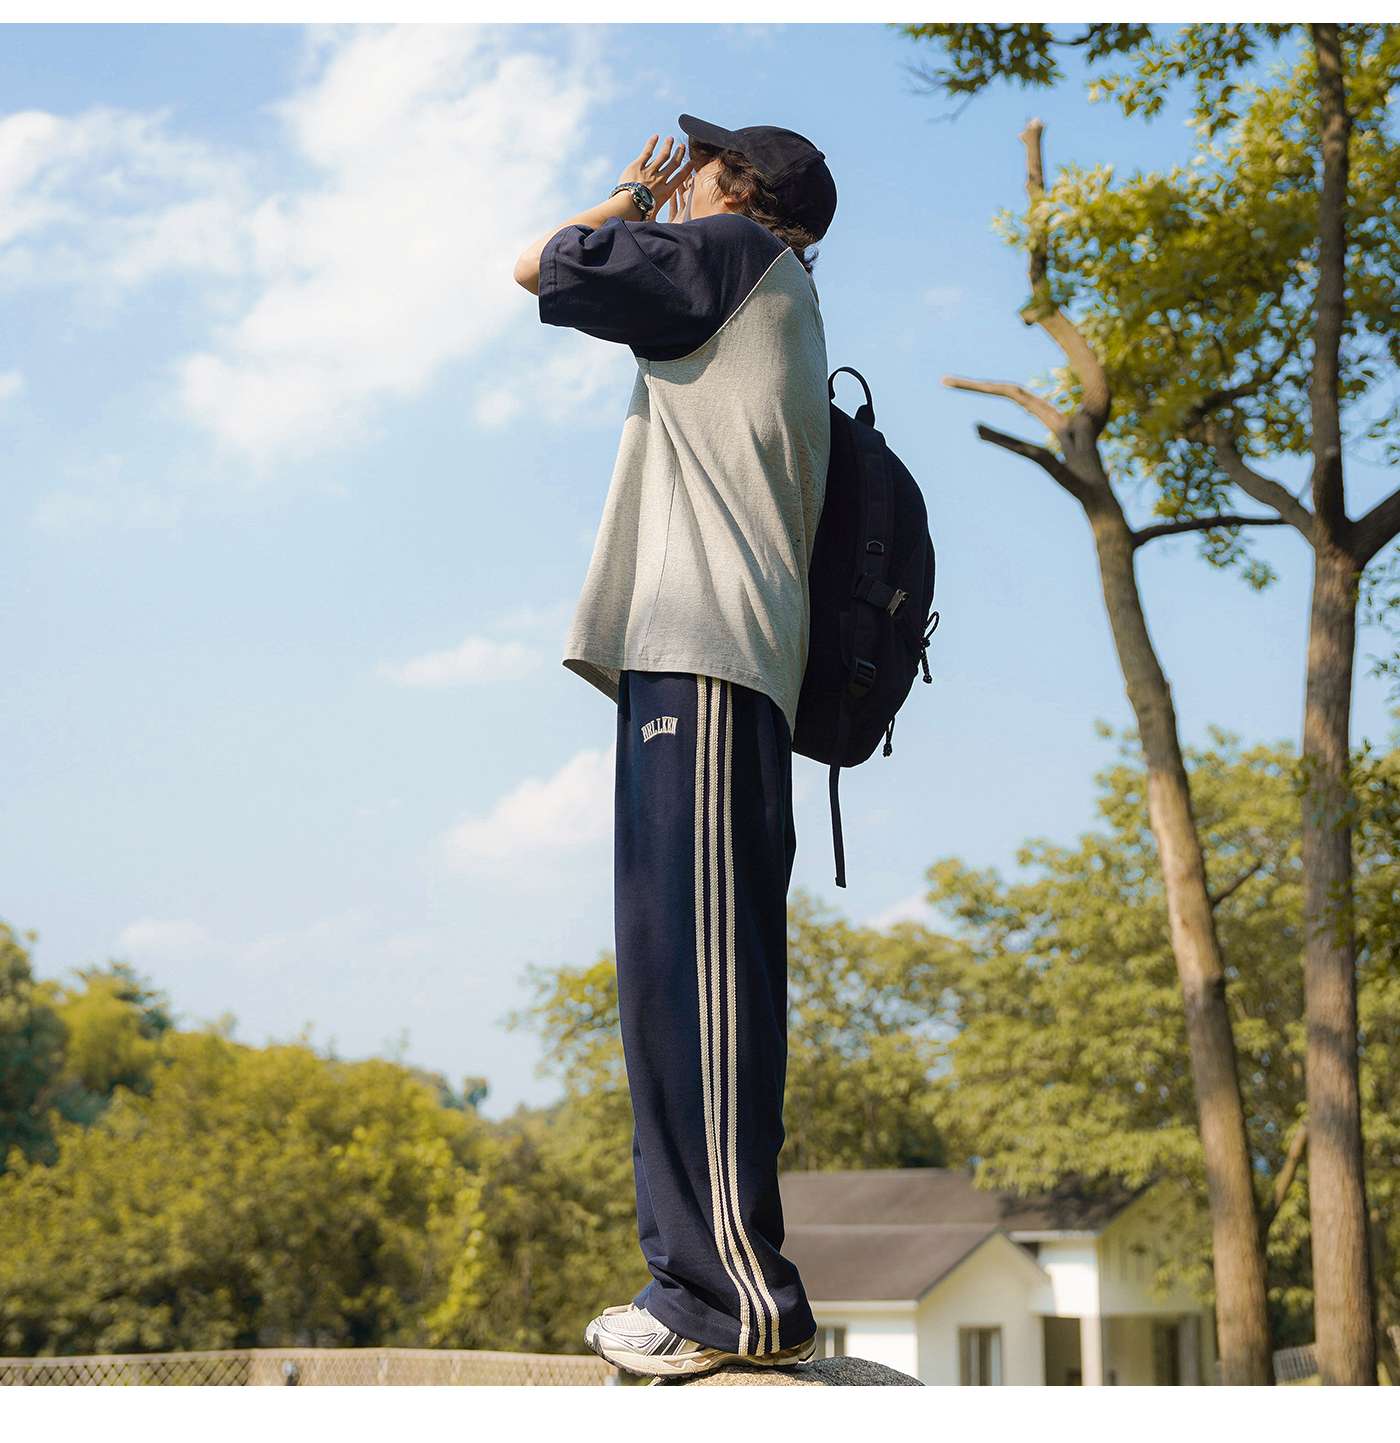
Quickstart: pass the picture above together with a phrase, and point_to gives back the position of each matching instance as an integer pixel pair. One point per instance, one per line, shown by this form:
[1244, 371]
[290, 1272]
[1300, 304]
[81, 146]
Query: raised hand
[662, 173]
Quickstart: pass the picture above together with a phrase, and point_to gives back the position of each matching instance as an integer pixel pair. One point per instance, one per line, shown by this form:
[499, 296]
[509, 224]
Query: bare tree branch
[1026, 399]
[1377, 527]
[1201, 523]
[1043, 457]
[1093, 380]
[1262, 488]
[1297, 1145]
[1218, 897]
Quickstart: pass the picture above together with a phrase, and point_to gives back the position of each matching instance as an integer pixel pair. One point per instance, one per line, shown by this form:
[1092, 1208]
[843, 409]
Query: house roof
[881, 1260]
[929, 1196]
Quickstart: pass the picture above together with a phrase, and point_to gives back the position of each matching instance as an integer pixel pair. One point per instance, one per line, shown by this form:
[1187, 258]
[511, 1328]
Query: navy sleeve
[662, 288]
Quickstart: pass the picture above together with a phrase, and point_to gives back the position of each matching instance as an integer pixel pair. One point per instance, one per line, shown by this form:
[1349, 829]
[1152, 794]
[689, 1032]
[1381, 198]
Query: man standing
[694, 620]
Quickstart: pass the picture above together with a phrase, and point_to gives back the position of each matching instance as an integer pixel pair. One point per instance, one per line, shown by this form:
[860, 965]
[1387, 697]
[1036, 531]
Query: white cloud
[277, 980]
[439, 151]
[478, 658]
[11, 384]
[162, 937]
[431, 155]
[583, 379]
[912, 908]
[542, 817]
[108, 198]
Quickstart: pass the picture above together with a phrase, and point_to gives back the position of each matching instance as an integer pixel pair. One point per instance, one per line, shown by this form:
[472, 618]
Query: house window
[831, 1341]
[1166, 1354]
[979, 1351]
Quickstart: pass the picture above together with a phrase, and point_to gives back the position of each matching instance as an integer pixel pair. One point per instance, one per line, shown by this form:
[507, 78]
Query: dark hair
[736, 176]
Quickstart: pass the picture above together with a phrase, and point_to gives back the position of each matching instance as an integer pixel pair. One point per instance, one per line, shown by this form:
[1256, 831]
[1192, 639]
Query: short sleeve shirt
[701, 556]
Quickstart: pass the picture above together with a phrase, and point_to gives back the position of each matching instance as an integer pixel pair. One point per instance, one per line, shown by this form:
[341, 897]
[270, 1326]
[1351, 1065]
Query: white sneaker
[631, 1339]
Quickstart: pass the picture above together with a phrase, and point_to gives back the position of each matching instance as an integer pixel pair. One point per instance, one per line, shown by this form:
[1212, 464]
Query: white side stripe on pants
[702, 928]
[715, 978]
[733, 1068]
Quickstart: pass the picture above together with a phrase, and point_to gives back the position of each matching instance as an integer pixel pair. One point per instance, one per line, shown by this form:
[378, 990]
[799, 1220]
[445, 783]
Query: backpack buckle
[864, 676]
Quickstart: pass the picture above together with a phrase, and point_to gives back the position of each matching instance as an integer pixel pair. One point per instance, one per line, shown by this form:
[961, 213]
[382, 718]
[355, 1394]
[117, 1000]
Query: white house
[919, 1269]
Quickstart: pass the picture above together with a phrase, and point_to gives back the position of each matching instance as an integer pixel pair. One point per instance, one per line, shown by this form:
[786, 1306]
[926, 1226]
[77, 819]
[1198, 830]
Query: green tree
[113, 1022]
[1227, 312]
[1067, 1033]
[861, 1045]
[250, 1196]
[31, 1054]
[863, 1041]
[560, 1241]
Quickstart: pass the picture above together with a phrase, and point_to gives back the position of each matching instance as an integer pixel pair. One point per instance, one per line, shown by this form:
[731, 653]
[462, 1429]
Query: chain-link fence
[347, 1367]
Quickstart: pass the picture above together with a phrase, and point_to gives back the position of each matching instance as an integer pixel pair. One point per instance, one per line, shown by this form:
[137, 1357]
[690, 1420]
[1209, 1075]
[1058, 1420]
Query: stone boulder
[821, 1373]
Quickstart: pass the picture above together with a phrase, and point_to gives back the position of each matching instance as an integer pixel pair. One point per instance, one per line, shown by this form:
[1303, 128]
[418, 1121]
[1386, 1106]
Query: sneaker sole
[684, 1365]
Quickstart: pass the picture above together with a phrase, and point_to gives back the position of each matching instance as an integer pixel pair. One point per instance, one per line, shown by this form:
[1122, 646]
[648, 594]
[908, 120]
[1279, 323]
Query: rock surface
[823, 1373]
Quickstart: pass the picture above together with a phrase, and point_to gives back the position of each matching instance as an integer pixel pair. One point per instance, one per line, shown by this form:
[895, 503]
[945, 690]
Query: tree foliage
[1195, 288]
[1195, 285]
[1067, 1054]
[113, 1023]
[31, 1054]
[250, 1196]
[861, 1043]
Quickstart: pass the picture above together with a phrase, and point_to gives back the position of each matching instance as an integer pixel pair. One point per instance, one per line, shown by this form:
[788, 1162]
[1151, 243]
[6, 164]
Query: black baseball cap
[791, 166]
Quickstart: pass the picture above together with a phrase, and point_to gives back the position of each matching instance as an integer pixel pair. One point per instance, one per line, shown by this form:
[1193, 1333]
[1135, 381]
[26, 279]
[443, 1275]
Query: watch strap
[641, 194]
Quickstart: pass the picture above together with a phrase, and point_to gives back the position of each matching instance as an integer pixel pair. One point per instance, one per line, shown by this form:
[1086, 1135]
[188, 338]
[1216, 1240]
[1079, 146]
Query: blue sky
[299, 495]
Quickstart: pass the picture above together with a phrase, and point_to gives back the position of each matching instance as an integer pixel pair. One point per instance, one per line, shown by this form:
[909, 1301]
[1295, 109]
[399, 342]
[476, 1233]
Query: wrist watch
[641, 195]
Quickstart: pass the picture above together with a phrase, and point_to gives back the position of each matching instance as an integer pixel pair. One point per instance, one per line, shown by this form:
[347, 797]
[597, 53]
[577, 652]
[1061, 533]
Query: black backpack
[871, 586]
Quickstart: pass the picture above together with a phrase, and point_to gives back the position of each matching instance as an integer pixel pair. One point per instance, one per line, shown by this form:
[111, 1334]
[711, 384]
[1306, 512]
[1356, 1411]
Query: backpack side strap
[833, 781]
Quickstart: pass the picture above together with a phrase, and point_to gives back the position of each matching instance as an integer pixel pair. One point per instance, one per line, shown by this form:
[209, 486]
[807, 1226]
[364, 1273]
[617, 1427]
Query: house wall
[1072, 1287]
[887, 1336]
[1128, 1253]
[991, 1289]
[1128, 1352]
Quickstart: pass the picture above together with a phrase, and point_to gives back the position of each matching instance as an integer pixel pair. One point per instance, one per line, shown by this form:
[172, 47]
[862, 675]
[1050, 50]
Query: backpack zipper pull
[889, 733]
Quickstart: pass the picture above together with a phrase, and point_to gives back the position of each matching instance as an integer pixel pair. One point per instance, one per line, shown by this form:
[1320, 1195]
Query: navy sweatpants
[704, 846]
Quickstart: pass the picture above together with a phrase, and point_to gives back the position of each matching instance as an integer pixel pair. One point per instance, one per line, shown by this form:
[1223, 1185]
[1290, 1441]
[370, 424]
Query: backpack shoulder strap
[877, 511]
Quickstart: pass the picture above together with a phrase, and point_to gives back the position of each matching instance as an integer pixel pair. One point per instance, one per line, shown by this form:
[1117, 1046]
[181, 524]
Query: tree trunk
[1344, 1299]
[1345, 1305]
[1241, 1299]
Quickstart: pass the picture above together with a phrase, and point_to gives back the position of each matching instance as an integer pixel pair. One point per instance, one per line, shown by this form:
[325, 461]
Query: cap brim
[715, 136]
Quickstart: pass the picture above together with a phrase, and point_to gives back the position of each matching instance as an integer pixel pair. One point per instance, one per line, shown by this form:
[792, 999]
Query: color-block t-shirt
[701, 556]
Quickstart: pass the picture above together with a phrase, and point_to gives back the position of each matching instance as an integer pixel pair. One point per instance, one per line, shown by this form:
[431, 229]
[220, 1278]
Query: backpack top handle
[865, 413]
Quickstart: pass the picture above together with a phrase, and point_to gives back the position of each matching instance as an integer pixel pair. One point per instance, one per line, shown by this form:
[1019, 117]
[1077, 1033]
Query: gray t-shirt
[701, 557]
